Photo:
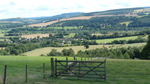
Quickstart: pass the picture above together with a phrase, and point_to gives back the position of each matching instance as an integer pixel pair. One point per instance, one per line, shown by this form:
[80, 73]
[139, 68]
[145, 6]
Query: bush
[54, 53]
[42, 55]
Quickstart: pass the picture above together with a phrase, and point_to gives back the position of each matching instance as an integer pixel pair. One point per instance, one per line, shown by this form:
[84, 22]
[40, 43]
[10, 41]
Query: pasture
[119, 71]
[2, 37]
[2, 31]
[16, 67]
[70, 35]
[112, 39]
[46, 50]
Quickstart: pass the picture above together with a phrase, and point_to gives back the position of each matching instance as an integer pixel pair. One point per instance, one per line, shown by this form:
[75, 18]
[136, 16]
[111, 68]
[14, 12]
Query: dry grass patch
[2, 48]
[42, 24]
[101, 34]
[35, 35]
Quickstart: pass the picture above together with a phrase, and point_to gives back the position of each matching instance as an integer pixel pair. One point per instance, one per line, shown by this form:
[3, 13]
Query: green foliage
[68, 52]
[86, 46]
[54, 53]
[126, 56]
[140, 22]
[145, 54]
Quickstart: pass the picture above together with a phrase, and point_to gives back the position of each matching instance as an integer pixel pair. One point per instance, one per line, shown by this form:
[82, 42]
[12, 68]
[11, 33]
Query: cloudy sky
[35, 8]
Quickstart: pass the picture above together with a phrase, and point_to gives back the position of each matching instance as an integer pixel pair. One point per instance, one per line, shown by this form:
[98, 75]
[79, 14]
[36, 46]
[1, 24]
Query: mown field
[46, 50]
[112, 39]
[119, 71]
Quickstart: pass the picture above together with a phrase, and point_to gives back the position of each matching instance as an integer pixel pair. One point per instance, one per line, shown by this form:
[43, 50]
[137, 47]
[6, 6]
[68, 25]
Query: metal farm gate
[81, 69]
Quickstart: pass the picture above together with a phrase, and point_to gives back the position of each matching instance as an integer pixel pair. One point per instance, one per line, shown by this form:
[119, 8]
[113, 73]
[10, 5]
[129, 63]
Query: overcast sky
[35, 8]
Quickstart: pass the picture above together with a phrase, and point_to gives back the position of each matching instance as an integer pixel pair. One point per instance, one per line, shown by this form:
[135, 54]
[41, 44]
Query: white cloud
[34, 8]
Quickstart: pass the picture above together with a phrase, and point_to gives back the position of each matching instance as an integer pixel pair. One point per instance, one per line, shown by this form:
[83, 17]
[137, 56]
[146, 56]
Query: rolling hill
[86, 16]
[64, 15]
[22, 20]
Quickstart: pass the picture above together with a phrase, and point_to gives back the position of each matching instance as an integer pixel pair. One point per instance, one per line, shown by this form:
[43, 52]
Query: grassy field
[5, 37]
[46, 50]
[119, 71]
[1, 31]
[112, 39]
[16, 67]
[70, 35]
[126, 23]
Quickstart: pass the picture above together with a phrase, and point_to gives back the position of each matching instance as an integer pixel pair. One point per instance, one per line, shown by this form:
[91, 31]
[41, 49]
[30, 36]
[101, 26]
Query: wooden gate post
[5, 74]
[67, 63]
[56, 67]
[52, 67]
[44, 70]
[26, 74]
[105, 70]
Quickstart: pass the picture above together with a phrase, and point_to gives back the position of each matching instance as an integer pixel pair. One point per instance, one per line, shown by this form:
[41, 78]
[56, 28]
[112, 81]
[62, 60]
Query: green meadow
[119, 71]
[112, 39]
[70, 35]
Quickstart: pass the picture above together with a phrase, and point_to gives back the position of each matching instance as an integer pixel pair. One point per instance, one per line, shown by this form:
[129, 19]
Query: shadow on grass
[87, 80]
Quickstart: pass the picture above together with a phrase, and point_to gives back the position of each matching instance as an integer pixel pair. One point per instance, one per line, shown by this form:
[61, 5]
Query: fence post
[67, 63]
[5, 74]
[56, 67]
[52, 67]
[26, 74]
[79, 70]
[74, 58]
[105, 70]
[44, 70]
